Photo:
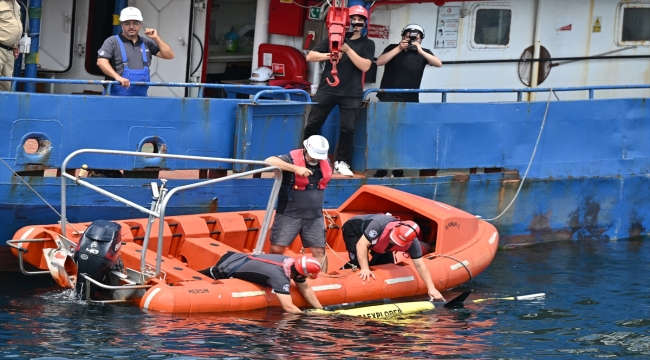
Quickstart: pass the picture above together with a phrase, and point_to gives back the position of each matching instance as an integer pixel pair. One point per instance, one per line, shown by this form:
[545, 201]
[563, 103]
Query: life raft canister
[301, 182]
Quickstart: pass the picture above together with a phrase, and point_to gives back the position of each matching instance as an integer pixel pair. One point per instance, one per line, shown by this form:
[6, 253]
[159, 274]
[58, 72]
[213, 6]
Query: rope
[36, 192]
[332, 225]
[539, 136]
[458, 261]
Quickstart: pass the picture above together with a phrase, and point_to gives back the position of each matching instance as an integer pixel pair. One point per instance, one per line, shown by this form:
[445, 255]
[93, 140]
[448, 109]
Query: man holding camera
[405, 63]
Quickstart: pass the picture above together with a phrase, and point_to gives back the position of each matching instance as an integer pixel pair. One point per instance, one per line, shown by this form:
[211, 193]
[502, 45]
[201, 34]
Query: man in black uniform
[356, 59]
[405, 63]
[383, 235]
[305, 175]
[275, 271]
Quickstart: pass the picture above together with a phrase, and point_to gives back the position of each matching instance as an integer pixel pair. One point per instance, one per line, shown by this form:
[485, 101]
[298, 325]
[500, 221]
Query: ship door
[172, 20]
[57, 31]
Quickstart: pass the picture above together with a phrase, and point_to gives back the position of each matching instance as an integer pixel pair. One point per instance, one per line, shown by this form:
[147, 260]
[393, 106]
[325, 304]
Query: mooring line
[539, 136]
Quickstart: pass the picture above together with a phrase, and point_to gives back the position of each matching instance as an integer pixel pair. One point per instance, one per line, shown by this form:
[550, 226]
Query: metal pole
[31, 59]
[534, 73]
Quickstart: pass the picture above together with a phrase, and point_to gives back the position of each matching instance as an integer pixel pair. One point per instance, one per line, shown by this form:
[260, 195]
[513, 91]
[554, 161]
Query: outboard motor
[97, 254]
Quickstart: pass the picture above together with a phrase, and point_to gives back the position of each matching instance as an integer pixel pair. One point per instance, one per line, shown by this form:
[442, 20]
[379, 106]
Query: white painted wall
[579, 41]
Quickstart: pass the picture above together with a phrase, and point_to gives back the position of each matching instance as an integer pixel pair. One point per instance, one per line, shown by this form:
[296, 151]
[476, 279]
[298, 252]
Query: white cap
[130, 13]
[317, 147]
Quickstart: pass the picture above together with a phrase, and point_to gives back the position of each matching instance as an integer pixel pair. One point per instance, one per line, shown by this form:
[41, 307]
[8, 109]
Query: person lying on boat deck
[356, 57]
[273, 270]
[404, 65]
[383, 235]
[126, 56]
[305, 174]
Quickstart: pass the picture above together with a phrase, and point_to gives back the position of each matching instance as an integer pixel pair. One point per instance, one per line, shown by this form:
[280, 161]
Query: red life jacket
[301, 182]
[384, 240]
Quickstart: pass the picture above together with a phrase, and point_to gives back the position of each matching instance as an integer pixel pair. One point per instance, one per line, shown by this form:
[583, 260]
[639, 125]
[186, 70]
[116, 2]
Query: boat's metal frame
[136, 279]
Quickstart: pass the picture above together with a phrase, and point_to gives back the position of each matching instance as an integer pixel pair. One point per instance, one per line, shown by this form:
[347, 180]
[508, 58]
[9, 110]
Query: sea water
[597, 305]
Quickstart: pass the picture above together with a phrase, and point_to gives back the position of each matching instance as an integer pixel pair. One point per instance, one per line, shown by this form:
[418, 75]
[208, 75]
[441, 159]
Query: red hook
[336, 78]
[334, 58]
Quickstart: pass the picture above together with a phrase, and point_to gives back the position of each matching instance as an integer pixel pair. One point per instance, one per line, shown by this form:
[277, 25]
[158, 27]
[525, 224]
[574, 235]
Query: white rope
[539, 136]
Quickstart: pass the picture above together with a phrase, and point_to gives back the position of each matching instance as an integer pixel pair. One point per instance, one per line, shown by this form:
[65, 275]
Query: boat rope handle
[458, 261]
[539, 136]
[37, 194]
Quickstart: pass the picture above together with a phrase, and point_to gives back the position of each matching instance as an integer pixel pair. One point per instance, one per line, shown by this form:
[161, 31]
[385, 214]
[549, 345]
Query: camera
[413, 36]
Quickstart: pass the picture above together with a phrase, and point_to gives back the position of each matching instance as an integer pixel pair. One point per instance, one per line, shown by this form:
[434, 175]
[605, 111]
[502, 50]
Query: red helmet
[307, 266]
[404, 233]
[358, 10]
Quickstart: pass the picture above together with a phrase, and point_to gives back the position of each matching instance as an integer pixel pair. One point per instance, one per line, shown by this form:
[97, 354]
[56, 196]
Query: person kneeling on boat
[383, 235]
[305, 175]
[275, 271]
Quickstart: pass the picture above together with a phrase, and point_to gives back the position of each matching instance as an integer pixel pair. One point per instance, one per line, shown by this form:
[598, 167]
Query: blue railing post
[31, 59]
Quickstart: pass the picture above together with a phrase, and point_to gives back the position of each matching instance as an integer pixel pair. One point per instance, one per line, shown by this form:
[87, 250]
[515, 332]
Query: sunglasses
[131, 23]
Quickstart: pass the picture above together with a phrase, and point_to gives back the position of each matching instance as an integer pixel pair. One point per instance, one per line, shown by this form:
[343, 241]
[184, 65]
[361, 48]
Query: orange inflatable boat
[163, 275]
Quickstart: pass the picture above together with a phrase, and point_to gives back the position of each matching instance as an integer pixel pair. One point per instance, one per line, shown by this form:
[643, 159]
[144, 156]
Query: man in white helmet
[126, 57]
[405, 63]
[305, 174]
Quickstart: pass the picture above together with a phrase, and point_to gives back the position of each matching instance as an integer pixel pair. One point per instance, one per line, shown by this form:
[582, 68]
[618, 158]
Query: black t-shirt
[257, 272]
[302, 204]
[372, 226]
[348, 74]
[404, 71]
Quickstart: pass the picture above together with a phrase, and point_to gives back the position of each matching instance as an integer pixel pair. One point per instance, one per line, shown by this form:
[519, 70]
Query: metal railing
[17, 244]
[518, 91]
[244, 89]
[161, 199]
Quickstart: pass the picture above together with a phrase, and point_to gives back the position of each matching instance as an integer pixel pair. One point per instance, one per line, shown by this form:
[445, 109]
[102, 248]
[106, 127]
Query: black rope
[200, 57]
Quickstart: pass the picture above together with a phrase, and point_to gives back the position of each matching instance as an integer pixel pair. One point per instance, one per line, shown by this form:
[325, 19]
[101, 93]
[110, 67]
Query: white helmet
[262, 73]
[130, 13]
[411, 27]
[317, 147]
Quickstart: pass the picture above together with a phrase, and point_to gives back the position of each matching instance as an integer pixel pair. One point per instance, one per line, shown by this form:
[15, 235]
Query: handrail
[160, 213]
[22, 250]
[519, 91]
[108, 287]
[256, 99]
[110, 83]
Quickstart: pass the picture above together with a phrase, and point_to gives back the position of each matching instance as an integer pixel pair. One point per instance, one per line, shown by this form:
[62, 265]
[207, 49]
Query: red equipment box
[287, 18]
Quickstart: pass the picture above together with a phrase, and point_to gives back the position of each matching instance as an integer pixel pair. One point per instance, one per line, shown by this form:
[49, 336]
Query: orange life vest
[301, 182]
[384, 240]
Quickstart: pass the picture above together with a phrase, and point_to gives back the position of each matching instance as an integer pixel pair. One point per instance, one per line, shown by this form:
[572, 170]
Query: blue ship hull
[588, 179]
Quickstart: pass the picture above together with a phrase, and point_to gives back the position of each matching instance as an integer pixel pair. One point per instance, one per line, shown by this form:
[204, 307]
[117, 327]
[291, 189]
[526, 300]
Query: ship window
[636, 26]
[492, 27]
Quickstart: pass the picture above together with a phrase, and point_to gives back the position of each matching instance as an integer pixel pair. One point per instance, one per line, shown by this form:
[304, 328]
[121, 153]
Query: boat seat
[228, 228]
[201, 253]
[137, 229]
[183, 227]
